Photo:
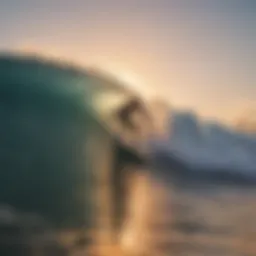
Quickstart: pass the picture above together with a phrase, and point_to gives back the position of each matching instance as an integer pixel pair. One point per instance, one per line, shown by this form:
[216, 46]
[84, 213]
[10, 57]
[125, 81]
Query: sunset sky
[197, 54]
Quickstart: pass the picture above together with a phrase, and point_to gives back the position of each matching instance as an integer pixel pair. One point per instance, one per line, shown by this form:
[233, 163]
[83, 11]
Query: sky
[199, 54]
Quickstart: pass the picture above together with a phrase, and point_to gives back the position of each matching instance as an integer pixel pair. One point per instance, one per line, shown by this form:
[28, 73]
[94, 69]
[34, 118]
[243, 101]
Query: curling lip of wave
[208, 144]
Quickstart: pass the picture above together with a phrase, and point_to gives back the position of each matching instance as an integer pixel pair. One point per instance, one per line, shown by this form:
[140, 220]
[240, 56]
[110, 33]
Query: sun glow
[128, 78]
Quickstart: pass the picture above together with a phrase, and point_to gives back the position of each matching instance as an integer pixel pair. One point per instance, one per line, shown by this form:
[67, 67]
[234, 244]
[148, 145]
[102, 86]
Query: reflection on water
[132, 235]
[209, 220]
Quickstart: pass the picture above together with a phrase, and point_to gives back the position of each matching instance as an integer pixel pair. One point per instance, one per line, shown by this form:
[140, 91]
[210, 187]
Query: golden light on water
[133, 235]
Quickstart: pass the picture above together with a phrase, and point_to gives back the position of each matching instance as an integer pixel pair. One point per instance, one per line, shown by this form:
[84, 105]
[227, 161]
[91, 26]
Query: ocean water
[189, 218]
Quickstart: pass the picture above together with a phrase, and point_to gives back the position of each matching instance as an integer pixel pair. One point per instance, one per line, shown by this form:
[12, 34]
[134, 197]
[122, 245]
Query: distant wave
[202, 144]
